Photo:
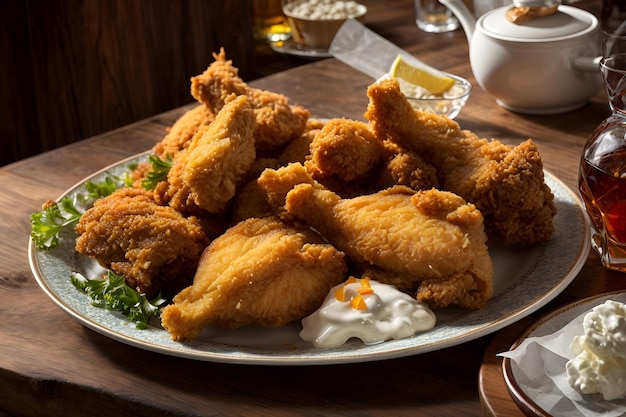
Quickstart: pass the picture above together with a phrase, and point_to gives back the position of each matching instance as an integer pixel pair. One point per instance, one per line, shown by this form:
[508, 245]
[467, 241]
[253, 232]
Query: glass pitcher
[602, 175]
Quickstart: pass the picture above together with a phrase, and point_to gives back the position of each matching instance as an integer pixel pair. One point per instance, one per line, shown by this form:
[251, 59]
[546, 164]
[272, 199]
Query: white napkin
[541, 373]
[366, 51]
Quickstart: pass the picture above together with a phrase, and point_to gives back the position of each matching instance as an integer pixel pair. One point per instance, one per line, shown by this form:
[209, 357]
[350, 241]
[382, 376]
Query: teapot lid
[536, 3]
[567, 22]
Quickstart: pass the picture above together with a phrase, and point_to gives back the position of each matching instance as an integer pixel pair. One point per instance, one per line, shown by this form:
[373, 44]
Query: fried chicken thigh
[259, 272]
[153, 246]
[277, 122]
[505, 183]
[428, 236]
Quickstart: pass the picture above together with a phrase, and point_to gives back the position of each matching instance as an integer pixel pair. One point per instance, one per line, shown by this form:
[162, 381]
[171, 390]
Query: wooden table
[51, 365]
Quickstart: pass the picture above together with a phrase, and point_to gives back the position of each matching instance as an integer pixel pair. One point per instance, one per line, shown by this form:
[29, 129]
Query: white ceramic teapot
[546, 65]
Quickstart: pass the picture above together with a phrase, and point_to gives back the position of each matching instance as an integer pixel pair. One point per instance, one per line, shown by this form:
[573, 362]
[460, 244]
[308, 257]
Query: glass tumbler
[434, 17]
[602, 175]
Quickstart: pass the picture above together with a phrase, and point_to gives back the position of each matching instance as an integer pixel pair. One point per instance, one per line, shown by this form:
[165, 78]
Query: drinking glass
[602, 175]
[269, 21]
[432, 16]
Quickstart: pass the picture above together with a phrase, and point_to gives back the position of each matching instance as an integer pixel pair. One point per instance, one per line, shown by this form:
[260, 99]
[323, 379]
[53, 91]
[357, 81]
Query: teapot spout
[463, 14]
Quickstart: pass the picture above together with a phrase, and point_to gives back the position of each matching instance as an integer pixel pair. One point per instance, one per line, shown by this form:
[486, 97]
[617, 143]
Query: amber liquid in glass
[603, 189]
[269, 21]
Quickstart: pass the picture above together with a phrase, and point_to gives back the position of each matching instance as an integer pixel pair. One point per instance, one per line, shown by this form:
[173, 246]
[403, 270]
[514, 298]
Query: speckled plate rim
[524, 281]
[549, 323]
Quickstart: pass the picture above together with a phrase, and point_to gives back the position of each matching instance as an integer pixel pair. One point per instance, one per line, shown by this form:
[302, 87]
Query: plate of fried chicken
[264, 209]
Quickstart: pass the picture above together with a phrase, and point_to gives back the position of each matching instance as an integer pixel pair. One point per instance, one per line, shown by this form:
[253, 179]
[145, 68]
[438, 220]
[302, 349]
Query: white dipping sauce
[386, 314]
[600, 362]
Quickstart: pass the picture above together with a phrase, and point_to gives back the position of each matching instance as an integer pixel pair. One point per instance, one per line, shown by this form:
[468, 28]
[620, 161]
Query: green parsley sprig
[160, 169]
[112, 293]
[47, 224]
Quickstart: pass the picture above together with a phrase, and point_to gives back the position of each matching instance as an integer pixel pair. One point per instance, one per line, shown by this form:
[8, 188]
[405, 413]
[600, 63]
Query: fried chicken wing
[415, 236]
[153, 246]
[506, 183]
[207, 173]
[183, 130]
[277, 122]
[259, 272]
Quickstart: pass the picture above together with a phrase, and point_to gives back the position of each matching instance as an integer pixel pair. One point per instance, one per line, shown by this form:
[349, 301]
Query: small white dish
[537, 379]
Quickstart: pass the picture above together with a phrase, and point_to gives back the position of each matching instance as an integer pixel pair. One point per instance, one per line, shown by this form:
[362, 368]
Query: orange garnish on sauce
[358, 303]
[340, 294]
[365, 291]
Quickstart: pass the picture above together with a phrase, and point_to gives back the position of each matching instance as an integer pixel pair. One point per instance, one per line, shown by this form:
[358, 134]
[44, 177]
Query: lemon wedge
[434, 83]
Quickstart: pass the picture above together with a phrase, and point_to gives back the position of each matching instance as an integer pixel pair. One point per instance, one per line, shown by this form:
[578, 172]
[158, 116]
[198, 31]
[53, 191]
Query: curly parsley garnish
[160, 169]
[112, 293]
[47, 224]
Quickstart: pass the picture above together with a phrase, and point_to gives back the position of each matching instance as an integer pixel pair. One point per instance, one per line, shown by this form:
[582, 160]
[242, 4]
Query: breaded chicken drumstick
[431, 239]
[277, 122]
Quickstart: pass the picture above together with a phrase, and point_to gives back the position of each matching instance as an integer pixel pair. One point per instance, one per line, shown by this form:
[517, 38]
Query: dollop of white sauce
[599, 365]
[390, 314]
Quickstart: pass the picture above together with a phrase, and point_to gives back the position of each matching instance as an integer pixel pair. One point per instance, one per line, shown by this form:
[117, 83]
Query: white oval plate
[524, 280]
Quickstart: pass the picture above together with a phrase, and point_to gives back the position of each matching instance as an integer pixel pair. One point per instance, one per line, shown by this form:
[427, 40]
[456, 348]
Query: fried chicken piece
[409, 169]
[298, 149]
[183, 130]
[206, 175]
[153, 246]
[425, 236]
[277, 122]
[505, 183]
[346, 149]
[259, 272]
[250, 200]
[276, 183]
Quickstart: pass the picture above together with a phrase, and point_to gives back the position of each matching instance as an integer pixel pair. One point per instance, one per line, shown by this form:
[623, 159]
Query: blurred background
[72, 69]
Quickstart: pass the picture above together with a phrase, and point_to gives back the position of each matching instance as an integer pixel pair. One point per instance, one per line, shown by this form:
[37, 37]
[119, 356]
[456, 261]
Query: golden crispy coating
[224, 152]
[344, 148]
[298, 150]
[259, 272]
[506, 183]
[181, 132]
[276, 183]
[277, 122]
[428, 235]
[153, 246]
[250, 200]
[206, 174]
[409, 169]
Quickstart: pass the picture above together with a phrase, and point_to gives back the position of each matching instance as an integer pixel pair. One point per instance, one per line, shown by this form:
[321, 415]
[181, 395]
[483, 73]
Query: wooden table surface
[51, 365]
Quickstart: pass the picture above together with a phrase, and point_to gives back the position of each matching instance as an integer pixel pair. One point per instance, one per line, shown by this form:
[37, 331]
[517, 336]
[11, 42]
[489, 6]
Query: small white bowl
[316, 34]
